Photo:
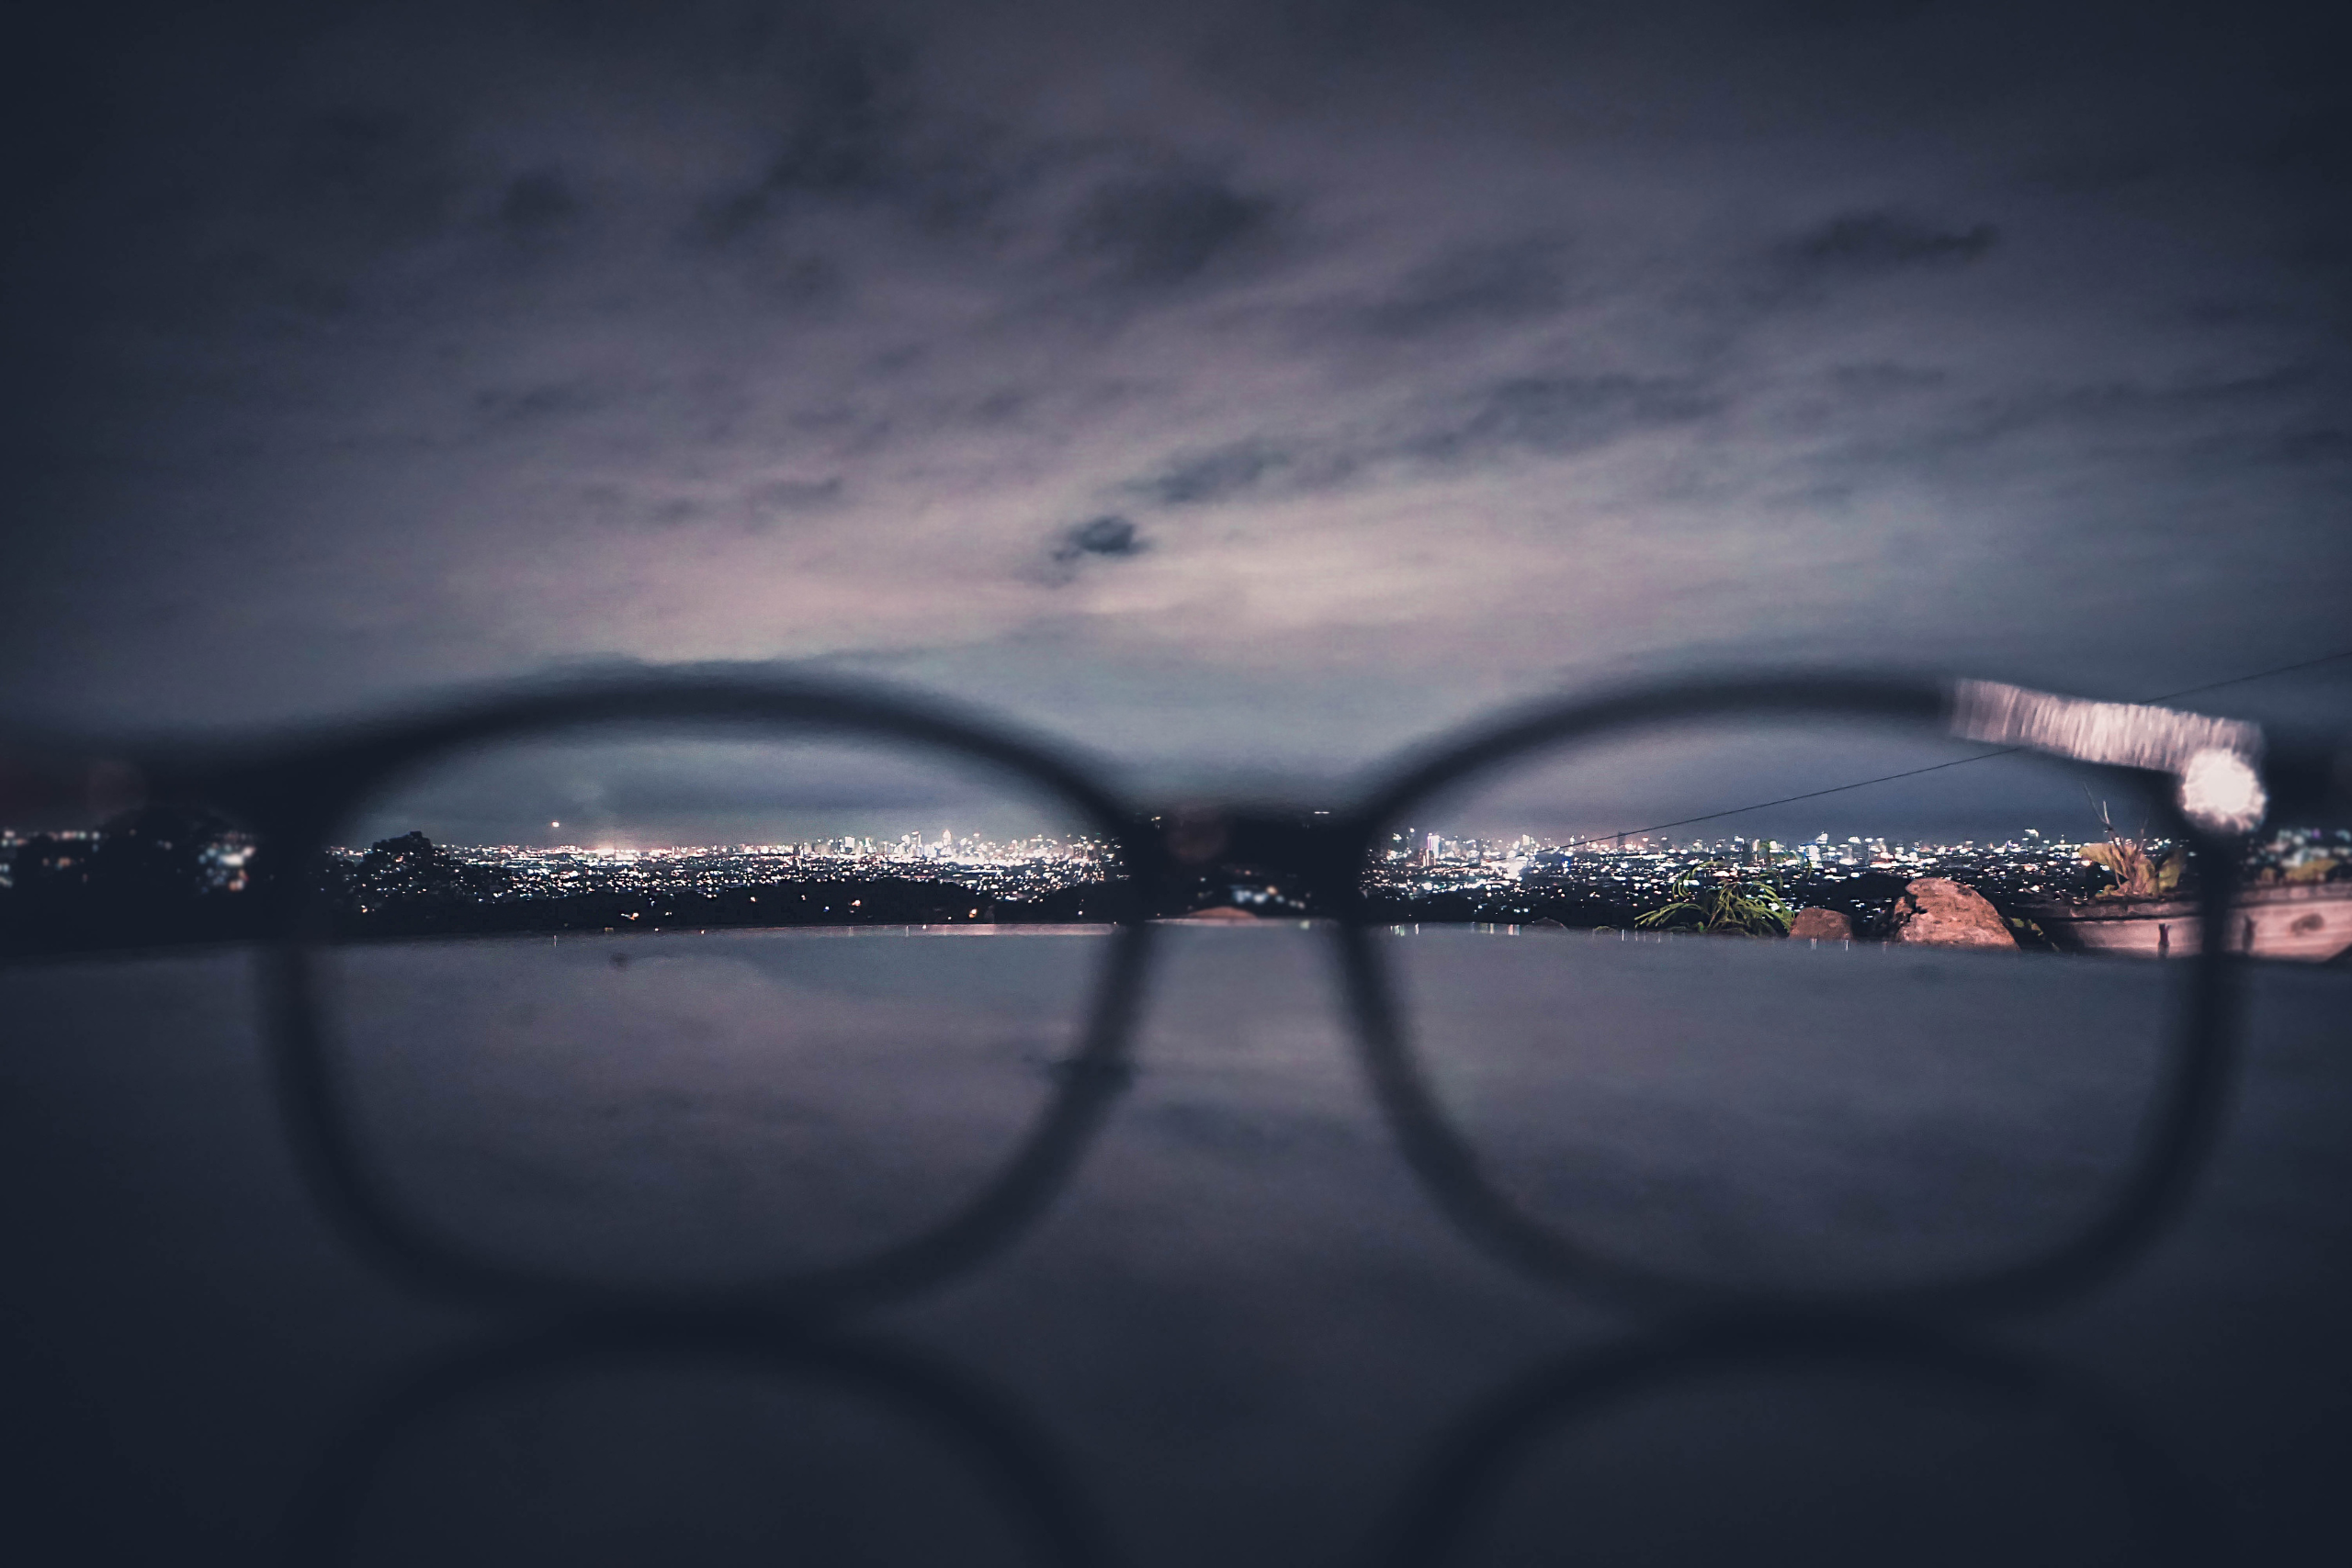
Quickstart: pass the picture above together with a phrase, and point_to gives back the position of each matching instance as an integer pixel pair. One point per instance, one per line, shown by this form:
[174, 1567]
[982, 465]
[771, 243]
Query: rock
[1821, 925]
[1937, 912]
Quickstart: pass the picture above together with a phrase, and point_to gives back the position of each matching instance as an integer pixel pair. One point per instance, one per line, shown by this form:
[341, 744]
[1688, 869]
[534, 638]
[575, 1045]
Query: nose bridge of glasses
[1301, 859]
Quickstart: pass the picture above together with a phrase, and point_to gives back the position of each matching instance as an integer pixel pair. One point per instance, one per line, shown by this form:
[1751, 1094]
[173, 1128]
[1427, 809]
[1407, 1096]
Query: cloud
[1213, 476]
[2316, 445]
[2178, 419]
[848, 137]
[1887, 242]
[791, 498]
[381, 170]
[1481, 286]
[1871, 383]
[1113, 537]
[402, 348]
[1551, 416]
[856, 132]
[1562, 415]
[537, 202]
[502, 408]
[1164, 229]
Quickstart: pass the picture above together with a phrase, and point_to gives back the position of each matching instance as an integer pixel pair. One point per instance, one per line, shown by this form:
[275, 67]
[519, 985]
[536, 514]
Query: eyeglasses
[750, 993]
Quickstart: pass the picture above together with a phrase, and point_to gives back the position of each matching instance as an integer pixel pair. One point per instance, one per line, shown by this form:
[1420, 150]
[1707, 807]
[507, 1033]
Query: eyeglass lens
[1859, 1038]
[668, 1004]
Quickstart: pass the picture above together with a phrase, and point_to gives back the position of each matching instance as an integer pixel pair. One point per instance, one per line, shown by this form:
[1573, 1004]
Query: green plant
[1720, 900]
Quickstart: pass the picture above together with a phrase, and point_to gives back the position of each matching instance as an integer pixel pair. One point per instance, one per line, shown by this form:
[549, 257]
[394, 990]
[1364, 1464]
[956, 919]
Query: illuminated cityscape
[1638, 873]
[1021, 870]
[125, 885]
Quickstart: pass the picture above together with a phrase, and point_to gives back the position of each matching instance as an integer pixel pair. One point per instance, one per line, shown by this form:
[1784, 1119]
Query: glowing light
[2220, 791]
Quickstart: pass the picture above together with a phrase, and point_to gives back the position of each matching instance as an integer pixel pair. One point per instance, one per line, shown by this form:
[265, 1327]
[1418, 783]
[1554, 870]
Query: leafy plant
[1720, 901]
[2137, 873]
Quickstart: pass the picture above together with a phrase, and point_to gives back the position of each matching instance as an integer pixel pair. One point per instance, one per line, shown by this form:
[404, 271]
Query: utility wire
[2257, 675]
[1958, 761]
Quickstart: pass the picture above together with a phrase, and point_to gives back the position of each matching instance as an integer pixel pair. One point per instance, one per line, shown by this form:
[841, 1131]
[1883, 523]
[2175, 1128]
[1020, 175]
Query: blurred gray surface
[1243, 1326]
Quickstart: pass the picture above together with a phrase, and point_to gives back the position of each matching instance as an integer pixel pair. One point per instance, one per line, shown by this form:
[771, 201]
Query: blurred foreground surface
[1243, 1333]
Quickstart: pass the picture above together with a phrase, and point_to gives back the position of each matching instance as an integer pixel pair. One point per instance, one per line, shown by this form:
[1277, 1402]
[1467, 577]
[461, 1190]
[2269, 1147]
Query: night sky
[1235, 390]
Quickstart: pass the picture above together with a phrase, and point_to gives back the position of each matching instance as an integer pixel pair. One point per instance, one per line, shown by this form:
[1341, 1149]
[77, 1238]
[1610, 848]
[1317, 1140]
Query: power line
[2257, 675]
[1958, 761]
[1809, 794]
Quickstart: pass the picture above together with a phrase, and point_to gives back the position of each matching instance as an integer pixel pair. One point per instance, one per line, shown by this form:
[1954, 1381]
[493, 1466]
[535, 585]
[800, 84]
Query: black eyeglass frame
[293, 794]
[2183, 1119]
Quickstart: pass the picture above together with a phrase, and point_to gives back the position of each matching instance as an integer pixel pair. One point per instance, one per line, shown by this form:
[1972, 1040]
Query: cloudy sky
[1231, 389]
